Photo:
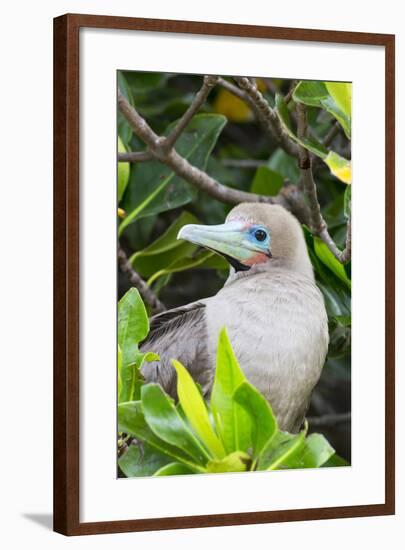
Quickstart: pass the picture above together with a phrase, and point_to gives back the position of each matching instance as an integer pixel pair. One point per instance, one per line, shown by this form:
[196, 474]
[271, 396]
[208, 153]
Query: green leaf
[280, 453]
[234, 462]
[123, 172]
[133, 327]
[336, 293]
[123, 127]
[165, 250]
[172, 107]
[341, 92]
[133, 323]
[347, 201]
[119, 367]
[141, 82]
[174, 469]
[335, 461]
[337, 301]
[196, 412]
[266, 182]
[284, 164]
[328, 259]
[343, 320]
[154, 188]
[168, 240]
[339, 166]
[166, 422]
[263, 421]
[231, 420]
[289, 451]
[141, 460]
[205, 259]
[316, 94]
[131, 420]
[314, 453]
[309, 143]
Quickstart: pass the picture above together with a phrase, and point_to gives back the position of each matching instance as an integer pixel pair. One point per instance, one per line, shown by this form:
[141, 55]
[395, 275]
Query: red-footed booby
[273, 311]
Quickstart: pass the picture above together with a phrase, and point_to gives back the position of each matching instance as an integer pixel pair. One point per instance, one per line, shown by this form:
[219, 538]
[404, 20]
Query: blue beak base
[234, 240]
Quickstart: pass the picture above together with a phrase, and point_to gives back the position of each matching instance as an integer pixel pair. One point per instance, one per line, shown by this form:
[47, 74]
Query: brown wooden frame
[66, 273]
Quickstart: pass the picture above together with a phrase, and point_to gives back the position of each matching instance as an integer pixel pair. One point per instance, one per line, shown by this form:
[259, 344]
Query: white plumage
[270, 304]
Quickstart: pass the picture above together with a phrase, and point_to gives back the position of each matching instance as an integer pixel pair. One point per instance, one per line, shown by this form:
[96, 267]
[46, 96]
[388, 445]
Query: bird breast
[278, 328]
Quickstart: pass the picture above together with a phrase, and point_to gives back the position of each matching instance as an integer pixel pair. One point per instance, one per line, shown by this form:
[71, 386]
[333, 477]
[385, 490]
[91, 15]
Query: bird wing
[181, 334]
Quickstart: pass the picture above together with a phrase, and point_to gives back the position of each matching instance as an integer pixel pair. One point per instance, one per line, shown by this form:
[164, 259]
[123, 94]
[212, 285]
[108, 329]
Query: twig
[233, 89]
[208, 83]
[183, 168]
[318, 224]
[249, 93]
[168, 142]
[328, 420]
[162, 149]
[145, 291]
[334, 130]
[290, 197]
[267, 115]
[209, 185]
[304, 159]
[133, 156]
[290, 92]
[243, 163]
[342, 255]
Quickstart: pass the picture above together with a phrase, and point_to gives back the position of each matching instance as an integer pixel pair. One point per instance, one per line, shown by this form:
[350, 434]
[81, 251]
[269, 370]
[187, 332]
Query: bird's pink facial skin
[258, 258]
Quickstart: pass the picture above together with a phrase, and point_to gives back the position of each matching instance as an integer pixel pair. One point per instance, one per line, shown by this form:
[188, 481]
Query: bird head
[253, 234]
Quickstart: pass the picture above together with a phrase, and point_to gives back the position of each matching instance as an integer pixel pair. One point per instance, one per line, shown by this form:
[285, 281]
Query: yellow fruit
[229, 105]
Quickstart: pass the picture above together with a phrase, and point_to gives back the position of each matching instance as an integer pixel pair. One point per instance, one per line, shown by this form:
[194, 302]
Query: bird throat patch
[236, 264]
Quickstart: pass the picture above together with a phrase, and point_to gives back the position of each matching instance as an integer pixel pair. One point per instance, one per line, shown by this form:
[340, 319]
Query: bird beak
[229, 240]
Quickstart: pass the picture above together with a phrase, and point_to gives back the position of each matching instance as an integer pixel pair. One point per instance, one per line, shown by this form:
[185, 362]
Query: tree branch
[212, 187]
[133, 156]
[243, 163]
[267, 115]
[334, 130]
[168, 142]
[162, 148]
[290, 196]
[144, 290]
[233, 89]
[318, 224]
[184, 169]
[290, 92]
[208, 83]
[344, 255]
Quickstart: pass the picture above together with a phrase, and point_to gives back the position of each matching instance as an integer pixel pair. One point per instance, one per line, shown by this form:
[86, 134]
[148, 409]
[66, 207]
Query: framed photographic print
[224, 274]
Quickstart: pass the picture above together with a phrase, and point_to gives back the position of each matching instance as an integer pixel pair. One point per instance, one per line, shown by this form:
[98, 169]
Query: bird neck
[301, 265]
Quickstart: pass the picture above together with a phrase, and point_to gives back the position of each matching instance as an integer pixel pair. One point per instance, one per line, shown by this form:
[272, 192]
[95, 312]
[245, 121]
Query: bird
[270, 304]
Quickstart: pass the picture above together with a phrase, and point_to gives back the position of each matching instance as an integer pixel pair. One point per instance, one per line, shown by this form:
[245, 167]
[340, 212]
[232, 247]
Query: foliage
[339, 166]
[152, 192]
[155, 187]
[133, 327]
[226, 140]
[235, 432]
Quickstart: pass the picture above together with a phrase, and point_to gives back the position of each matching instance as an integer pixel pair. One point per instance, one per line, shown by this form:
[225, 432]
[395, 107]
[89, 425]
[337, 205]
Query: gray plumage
[274, 314]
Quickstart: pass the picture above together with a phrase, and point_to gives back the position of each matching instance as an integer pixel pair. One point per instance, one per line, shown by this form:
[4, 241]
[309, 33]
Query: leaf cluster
[219, 140]
[235, 431]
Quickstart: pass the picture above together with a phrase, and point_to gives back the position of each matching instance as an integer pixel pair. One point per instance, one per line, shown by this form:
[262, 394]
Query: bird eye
[260, 235]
